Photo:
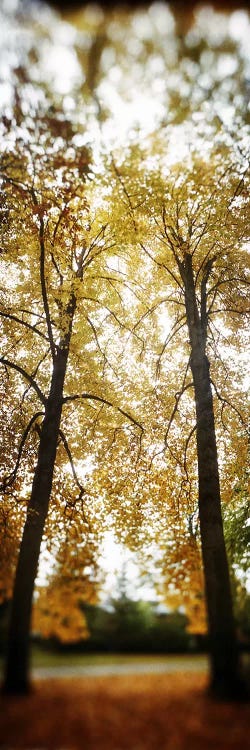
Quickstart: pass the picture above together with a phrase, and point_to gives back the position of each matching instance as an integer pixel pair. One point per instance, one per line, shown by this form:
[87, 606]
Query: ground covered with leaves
[138, 712]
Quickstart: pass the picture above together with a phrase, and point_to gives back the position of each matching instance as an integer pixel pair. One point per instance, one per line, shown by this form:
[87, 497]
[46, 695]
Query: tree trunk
[225, 668]
[17, 665]
[222, 635]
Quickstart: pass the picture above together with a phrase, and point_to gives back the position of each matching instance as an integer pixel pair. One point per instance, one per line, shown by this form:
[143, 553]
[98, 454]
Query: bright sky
[116, 559]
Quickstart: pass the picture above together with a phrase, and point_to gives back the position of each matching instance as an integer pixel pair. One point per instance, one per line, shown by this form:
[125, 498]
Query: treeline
[134, 626]
[130, 626]
[125, 625]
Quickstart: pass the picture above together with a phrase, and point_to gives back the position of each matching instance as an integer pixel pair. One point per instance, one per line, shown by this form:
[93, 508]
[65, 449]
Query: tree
[190, 224]
[52, 251]
[56, 252]
[19, 183]
[237, 536]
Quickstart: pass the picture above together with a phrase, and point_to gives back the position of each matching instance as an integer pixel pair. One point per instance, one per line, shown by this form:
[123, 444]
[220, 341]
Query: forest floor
[123, 712]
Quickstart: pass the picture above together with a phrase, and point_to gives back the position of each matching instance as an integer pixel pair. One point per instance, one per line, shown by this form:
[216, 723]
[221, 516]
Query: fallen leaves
[149, 712]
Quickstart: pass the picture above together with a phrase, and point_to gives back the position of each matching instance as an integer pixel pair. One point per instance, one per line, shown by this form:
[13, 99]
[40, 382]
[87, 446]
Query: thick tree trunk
[17, 666]
[225, 668]
[225, 680]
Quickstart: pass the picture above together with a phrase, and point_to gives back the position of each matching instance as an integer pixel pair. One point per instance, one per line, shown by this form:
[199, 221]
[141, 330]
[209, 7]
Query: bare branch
[61, 216]
[110, 312]
[30, 312]
[168, 231]
[203, 263]
[239, 186]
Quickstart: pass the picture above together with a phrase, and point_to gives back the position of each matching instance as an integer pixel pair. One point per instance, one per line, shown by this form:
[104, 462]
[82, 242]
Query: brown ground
[138, 712]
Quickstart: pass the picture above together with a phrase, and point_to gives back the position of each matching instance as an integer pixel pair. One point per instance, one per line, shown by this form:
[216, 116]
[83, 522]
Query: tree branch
[69, 454]
[161, 265]
[178, 396]
[228, 403]
[9, 316]
[27, 377]
[154, 307]
[102, 352]
[173, 332]
[126, 193]
[9, 480]
[93, 397]
[34, 373]
[42, 278]
[191, 433]
[204, 313]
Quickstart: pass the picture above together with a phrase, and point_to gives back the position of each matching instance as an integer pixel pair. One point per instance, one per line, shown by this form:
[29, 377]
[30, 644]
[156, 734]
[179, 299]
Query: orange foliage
[145, 712]
[187, 588]
[57, 614]
[57, 611]
[10, 531]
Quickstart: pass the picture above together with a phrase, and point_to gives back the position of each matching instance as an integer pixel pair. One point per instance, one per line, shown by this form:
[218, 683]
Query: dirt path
[101, 670]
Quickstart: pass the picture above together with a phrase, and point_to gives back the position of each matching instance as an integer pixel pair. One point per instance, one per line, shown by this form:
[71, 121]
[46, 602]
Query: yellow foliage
[10, 532]
[185, 586]
[114, 250]
[57, 609]
[57, 614]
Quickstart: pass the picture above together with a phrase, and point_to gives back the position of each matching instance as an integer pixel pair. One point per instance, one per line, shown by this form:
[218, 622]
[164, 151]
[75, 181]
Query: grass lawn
[42, 658]
[149, 712]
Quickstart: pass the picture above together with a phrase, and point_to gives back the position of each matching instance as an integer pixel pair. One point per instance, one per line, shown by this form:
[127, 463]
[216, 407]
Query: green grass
[42, 658]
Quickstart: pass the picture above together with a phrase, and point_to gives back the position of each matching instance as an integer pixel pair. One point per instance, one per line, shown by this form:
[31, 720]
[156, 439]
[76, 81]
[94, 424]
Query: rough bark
[17, 666]
[225, 668]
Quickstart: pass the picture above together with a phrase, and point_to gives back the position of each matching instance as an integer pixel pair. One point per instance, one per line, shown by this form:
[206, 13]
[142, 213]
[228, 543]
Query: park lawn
[43, 658]
[40, 657]
[139, 712]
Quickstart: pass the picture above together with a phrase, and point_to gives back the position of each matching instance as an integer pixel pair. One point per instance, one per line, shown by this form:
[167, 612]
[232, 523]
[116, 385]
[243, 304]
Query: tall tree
[190, 224]
[54, 253]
